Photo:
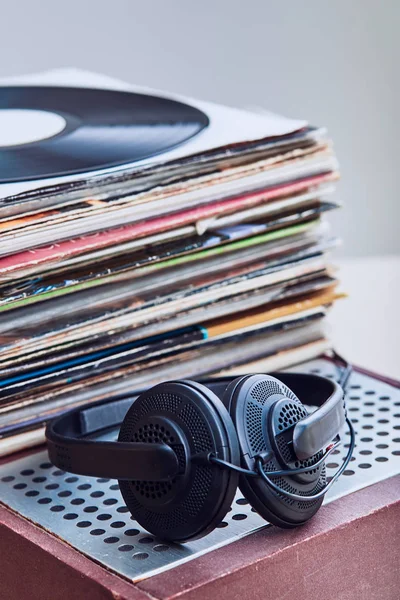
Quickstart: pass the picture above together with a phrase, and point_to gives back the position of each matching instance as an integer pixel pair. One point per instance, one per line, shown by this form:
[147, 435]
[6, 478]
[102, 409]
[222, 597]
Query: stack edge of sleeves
[205, 249]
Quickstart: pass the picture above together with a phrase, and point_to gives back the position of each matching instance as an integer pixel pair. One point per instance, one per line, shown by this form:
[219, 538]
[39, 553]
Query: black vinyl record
[103, 128]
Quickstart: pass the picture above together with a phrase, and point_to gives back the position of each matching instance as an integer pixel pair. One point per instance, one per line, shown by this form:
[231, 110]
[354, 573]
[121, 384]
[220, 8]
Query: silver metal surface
[90, 515]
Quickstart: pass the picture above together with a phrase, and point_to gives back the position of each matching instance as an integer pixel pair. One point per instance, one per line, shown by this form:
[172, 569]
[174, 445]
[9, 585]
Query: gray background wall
[333, 63]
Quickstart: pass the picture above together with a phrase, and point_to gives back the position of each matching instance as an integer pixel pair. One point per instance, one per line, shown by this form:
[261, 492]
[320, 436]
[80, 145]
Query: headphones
[184, 447]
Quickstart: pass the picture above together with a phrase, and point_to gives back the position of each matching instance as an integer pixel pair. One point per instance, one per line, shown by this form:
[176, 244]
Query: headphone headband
[71, 449]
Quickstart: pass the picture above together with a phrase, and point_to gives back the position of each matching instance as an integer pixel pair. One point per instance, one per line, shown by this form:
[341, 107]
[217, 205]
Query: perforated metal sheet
[90, 515]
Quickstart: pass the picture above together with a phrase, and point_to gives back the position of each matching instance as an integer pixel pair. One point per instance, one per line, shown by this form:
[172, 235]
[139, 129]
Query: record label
[58, 131]
[18, 126]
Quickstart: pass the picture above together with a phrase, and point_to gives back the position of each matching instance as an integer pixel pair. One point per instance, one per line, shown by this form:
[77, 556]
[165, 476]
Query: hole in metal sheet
[348, 472]
[71, 479]
[84, 486]
[118, 524]
[57, 508]
[52, 486]
[146, 540]
[104, 517]
[222, 524]
[365, 465]
[239, 517]
[90, 509]
[58, 473]
[161, 548]
[242, 501]
[381, 459]
[102, 480]
[46, 465]
[44, 500]
[19, 486]
[140, 556]
[125, 548]
[83, 524]
[97, 494]
[64, 494]
[111, 540]
[70, 516]
[39, 479]
[27, 472]
[97, 532]
[110, 501]
[8, 478]
[77, 501]
[131, 532]
[32, 493]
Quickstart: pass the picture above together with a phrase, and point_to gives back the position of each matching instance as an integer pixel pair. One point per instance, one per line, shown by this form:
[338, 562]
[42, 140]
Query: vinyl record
[57, 131]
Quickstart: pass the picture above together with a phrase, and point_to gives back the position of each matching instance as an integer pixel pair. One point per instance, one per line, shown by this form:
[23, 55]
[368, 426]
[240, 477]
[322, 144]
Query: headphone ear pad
[193, 421]
[251, 402]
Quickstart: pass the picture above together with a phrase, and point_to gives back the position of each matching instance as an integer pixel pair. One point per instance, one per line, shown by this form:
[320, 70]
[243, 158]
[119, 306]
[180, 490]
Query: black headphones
[184, 447]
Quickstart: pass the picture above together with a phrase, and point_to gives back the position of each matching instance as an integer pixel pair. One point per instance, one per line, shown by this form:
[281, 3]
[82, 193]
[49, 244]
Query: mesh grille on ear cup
[290, 414]
[196, 499]
[302, 506]
[199, 491]
[260, 392]
[154, 433]
[284, 449]
[284, 485]
[254, 431]
[309, 462]
[164, 402]
[192, 418]
[307, 504]
[286, 415]
[265, 388]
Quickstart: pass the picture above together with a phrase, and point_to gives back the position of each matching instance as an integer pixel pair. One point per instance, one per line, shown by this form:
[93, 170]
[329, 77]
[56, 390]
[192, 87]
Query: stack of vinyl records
[146, 237]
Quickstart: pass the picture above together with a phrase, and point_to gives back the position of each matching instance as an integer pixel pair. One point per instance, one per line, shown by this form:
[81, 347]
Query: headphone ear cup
[193, 421]
[253, 402]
